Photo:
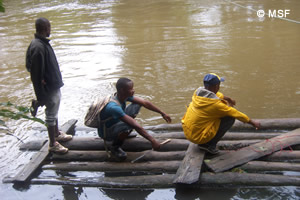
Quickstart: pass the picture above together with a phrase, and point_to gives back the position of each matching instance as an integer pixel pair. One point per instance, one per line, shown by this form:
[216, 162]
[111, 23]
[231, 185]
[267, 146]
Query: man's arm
[150, 106]
[255, 124]
[230, 101]
[133, 123]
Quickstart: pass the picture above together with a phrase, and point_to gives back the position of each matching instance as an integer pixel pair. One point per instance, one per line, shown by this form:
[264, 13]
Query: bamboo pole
[207, 179]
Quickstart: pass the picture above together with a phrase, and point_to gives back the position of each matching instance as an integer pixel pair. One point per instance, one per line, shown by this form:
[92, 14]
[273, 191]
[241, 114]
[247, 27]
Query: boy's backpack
[92, 117]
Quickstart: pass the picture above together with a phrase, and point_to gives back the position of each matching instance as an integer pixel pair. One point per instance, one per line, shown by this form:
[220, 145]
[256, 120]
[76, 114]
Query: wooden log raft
[92, 149]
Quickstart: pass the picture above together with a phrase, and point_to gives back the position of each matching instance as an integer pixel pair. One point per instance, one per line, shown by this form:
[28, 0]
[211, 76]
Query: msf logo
[274, 13]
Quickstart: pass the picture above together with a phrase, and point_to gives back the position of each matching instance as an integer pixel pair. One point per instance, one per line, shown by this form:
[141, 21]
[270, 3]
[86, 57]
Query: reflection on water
[165, 47]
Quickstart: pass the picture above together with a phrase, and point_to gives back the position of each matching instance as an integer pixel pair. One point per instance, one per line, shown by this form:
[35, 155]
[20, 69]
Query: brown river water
[166, 47]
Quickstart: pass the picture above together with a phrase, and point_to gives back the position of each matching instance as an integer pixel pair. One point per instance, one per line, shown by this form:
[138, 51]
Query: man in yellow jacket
[210, 115]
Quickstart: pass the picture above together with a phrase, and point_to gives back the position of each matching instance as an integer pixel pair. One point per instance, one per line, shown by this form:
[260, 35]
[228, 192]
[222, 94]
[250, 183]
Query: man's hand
[230, 101]
[167, 118]
[155, 145]
[255, 124]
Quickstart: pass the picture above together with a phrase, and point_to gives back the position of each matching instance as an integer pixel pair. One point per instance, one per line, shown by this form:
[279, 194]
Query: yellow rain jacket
[202, 118]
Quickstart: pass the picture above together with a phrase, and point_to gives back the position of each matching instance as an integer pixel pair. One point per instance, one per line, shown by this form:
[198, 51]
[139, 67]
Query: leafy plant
[11, 111]
[2, 9]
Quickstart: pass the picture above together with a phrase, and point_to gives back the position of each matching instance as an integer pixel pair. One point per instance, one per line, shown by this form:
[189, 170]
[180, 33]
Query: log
[283, 156]
[102, 156]
[266, 124]
[39, 157]
[35, 162]
[190, 167]
[258, 166]
[157, 166]
[227, 136]
[246, 154]
[166, 180]
[280, 156]
[140, 144]
[132, 144]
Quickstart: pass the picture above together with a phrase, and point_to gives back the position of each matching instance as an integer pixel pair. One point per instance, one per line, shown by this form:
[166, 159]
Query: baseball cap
[212, 79]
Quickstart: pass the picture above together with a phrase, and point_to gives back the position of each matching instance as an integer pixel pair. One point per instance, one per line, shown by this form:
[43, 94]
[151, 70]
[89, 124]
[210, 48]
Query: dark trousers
[112, 133]
[225, 125]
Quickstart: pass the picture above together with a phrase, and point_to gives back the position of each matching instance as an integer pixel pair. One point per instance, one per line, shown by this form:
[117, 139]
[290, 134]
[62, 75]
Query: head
[212, 82]
[43, 27]
[125, 87]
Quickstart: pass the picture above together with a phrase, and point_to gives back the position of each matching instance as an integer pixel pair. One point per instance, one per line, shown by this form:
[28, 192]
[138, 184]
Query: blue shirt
[114, 111]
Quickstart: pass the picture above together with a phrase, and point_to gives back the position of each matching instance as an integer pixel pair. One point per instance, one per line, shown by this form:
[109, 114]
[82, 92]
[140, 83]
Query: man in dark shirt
[46, 78]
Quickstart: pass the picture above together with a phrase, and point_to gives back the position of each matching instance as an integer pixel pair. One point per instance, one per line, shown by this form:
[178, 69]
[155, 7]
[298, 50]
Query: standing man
[210, 115]
[117, 120]
[47, 80]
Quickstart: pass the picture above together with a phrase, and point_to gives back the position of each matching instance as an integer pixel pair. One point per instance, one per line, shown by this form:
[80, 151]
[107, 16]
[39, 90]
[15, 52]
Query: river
[166, 47]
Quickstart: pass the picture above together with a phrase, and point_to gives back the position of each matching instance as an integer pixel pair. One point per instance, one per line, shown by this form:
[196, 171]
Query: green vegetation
[2, 9]
[11, 111]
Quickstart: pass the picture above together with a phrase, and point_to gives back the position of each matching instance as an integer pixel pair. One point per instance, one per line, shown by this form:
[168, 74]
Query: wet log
[280, 156]
[283, 156]
[140, 144]
[157, 166]
[132, 144]
[190, 167]
[258, 166]
[266, 124]
[102, 156]
[227, 136]
[246, 154]
[166, 180]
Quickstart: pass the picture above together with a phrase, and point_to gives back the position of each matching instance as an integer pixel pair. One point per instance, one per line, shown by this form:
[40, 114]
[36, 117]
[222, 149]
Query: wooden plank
[190, 167]
[246, 154]
[34, 163]
[40, 156]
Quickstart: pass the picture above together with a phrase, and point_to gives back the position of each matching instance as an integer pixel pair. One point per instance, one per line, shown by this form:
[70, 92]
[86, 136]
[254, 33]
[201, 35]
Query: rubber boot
[54, 146]
[51, 134]
[117, 151]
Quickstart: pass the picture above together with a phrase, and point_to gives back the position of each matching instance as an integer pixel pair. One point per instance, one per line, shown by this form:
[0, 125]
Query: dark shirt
[42, 64]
